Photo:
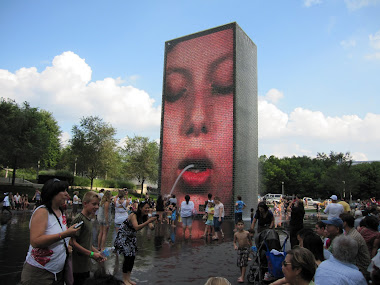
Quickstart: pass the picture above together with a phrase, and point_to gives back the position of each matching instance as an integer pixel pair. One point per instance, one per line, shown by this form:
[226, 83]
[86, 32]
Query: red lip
[200, 173]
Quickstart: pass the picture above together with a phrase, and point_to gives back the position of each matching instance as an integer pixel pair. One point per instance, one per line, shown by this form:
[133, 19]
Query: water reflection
[161, 254]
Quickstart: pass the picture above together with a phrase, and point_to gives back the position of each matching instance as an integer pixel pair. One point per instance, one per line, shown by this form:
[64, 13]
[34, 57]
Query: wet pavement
[164, 257]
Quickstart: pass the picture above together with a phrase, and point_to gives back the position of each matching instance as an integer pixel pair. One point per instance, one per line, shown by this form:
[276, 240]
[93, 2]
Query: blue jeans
[217, 224]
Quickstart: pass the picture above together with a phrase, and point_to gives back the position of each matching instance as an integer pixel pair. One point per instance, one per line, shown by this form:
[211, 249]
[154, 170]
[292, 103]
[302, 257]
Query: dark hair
[314, 243]
[187, 198]
[239, 197]
[209, 195]
[370, 222]
[304, 232]
[262, 205]
[50, 189]
[304, 259]
[348, 218]
[321, 224]
[240, 221]
[139, 216]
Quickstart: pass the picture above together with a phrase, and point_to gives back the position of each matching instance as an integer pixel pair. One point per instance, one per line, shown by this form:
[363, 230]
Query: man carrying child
[243, 244]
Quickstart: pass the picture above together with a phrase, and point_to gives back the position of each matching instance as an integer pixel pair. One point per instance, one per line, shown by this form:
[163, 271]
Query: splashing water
[179, 176]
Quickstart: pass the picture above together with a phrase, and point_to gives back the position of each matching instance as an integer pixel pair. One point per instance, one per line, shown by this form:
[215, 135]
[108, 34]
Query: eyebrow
[213, 65]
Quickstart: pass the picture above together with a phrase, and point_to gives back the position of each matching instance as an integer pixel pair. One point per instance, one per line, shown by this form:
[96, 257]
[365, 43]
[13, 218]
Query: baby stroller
[266, 262]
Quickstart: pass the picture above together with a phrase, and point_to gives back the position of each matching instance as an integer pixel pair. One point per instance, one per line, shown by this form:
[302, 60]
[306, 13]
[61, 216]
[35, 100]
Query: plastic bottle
[106, 252]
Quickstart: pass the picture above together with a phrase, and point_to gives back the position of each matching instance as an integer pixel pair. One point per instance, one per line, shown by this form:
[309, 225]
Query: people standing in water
[126, 240]
[239, 207]
[49, 237]
[263, 217]
[187, 211]
[104, 219]
[297, 213]
[218, 218]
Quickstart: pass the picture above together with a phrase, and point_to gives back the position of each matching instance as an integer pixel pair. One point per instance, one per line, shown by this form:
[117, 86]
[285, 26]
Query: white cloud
[274, 95]
[306, 132]
[64, 138]
[348, 43]
[66, 90]
[374, 43]
[309, 3]
[358, 156]
[374, 40]
[358, 4]
[373, 56]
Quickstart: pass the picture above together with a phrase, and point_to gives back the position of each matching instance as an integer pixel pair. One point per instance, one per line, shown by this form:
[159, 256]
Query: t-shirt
[264, 221]
[81, 262]
[210, 216]
[334, 210]
[6, 201]
[217, 210]
[239, 206]
[187, 209]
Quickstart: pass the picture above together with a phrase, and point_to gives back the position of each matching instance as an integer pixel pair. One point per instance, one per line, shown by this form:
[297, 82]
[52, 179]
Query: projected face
[198, 118]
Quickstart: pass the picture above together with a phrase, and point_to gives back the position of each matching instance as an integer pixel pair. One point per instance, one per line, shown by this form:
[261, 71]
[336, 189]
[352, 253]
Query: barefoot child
[209, 230]
[242, 243]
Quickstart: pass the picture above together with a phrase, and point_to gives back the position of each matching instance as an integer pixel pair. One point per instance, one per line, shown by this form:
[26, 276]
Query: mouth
[197, 175]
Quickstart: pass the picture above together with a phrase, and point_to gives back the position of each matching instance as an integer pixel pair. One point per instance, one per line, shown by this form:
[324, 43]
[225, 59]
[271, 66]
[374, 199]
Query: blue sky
[318, 65]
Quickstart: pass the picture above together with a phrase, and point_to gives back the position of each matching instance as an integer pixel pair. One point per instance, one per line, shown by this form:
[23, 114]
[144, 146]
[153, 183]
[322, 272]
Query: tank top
[121, 213]
[53, 257]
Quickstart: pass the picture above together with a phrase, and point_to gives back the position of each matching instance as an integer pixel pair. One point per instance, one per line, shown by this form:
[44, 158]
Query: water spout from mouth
[179, 176]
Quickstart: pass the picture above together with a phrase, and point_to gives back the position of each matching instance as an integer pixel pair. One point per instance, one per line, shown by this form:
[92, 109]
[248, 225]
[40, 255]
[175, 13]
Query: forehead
[201, 49]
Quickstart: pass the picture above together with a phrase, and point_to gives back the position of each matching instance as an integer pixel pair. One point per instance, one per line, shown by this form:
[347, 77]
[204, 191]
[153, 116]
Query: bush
[81, 181]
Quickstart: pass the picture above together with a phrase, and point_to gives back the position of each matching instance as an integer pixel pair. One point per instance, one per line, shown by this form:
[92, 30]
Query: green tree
[94, 146]
[141, 159]
[49, 159]
[24, 135]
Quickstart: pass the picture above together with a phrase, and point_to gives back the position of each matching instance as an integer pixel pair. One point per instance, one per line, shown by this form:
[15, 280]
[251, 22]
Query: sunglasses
[284, 263]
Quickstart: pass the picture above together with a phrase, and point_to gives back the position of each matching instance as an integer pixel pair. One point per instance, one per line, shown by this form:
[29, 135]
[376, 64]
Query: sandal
[215, 238]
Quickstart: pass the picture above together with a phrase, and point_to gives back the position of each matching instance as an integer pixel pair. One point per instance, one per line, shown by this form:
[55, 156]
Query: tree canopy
[94, 146]
[27, 135]
[141, 159]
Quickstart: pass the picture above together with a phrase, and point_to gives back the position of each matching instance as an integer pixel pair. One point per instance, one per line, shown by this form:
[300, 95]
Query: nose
[196, 123]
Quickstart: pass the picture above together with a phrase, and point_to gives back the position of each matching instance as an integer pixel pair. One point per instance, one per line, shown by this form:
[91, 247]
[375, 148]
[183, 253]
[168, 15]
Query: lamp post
[344, 189]
[282, 188]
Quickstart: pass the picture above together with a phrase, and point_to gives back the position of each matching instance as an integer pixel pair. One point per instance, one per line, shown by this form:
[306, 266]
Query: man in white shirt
[334, 209]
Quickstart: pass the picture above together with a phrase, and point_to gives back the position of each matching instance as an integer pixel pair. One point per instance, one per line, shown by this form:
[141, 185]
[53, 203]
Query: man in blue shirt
[340, 268]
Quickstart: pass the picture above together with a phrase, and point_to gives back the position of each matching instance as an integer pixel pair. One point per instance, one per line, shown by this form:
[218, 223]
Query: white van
[270, 198]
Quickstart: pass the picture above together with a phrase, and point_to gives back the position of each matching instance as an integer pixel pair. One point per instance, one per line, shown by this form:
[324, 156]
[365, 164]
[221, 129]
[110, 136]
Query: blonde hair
[89, 196]
[217, 281]
[106, 197]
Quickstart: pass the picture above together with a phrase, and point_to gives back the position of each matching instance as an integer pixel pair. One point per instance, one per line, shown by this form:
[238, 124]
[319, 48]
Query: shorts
[238, 216]
[217, 224]
[209, 223]
[242, 259]
[187, 221]
[31, 275]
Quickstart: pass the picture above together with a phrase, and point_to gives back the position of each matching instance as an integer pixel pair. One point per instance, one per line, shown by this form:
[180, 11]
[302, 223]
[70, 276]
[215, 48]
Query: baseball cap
[334, 197]
[335, 222]
[358, 213]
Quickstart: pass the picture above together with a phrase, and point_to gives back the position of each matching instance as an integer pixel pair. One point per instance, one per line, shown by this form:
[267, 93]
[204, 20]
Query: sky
[318, 65]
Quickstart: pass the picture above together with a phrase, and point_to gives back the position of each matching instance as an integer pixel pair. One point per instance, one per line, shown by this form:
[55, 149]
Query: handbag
[68, 268]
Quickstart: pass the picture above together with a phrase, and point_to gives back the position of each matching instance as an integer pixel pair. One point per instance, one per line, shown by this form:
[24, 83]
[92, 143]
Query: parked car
[270, 198]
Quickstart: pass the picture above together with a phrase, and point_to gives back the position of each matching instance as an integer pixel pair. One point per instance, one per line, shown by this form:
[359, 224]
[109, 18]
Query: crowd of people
[343, 249]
